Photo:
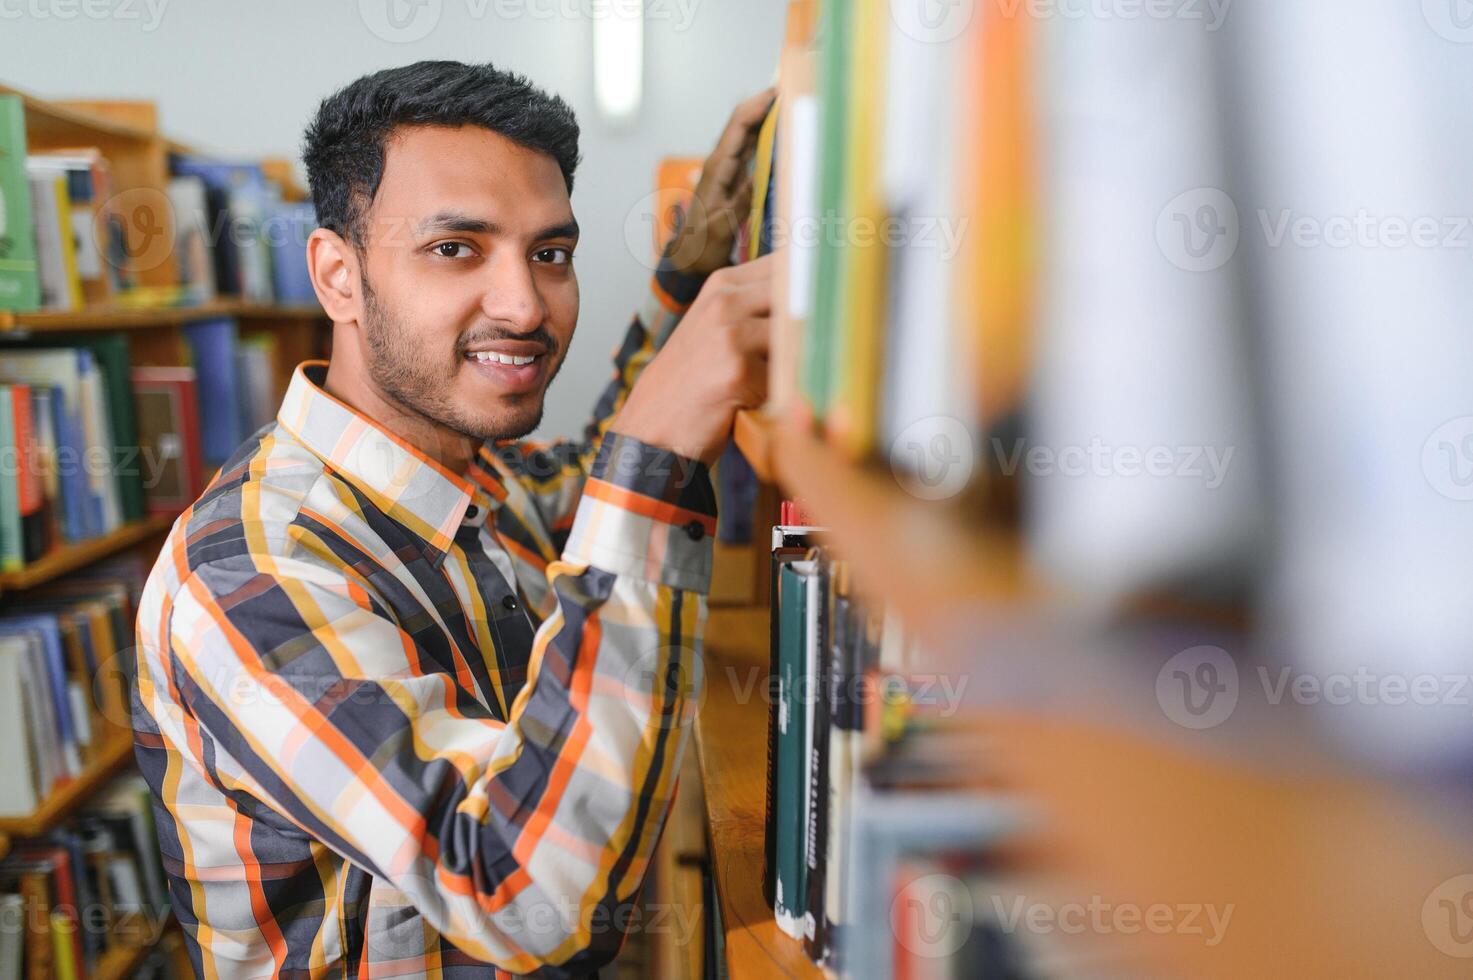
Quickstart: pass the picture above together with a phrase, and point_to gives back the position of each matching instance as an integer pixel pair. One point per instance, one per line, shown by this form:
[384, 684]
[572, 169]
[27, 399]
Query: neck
[452, 450]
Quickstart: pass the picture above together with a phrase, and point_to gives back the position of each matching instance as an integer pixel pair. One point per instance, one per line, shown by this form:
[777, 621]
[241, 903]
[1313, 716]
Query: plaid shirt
[404, 722]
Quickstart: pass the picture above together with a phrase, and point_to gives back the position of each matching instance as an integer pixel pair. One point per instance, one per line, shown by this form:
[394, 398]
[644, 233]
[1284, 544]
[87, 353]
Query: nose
[511, 298]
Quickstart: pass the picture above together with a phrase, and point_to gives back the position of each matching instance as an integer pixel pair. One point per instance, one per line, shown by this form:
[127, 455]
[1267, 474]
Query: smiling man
[412, 694]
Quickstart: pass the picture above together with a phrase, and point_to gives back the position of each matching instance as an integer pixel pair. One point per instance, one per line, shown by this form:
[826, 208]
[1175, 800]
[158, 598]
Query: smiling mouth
[492, 357]
[513, 374]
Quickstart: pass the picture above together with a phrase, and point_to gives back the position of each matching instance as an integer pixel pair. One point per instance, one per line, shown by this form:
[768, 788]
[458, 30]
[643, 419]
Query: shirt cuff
[646, 512]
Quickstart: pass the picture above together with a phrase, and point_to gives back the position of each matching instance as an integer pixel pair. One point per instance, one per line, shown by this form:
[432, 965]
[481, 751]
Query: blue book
[213, 345]
[46, 627]
[69, 476]
[286, 231]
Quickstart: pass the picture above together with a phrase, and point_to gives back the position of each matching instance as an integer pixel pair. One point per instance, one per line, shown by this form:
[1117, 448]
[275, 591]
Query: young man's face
[467, 265]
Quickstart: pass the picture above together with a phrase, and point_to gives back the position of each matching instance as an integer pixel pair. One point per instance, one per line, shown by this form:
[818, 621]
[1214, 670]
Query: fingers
[743, 125]
[753, 336]
[760, 269]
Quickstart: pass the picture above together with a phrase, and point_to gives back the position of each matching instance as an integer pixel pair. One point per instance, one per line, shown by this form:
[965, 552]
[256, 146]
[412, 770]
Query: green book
[20, 282]
[794, 705]
[12, 554]
[824, 329]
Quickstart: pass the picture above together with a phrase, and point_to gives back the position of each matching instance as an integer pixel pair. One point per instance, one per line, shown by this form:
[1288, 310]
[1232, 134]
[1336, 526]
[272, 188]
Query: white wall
[244, 77]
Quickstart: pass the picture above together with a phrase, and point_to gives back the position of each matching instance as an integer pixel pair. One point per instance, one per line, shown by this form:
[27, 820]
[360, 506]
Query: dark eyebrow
[457, 221]
[568, 229]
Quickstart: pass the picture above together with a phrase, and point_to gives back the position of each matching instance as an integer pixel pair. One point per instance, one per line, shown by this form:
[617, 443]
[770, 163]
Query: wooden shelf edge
[71, 557]
[74, 118]
[731, 750]
[114, 754]
[754, 435]
[124, 318]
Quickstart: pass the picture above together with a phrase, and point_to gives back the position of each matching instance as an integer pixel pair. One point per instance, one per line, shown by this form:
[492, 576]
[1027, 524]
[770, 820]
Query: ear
[333, 265]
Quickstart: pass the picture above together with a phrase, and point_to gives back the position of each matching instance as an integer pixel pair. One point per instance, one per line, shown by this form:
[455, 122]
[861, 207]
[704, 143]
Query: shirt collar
[409, 487]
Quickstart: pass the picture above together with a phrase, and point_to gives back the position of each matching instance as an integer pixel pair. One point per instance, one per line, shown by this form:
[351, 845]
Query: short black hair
[344, 145]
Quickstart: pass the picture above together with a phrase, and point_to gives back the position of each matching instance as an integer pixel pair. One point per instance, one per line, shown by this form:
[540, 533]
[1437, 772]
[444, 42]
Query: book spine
[817, 829]
[20, 284]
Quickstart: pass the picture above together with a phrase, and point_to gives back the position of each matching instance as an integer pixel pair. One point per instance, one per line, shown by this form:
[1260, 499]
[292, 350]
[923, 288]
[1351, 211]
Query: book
[47, 631]
[789, 544]
[12, 949]
[213, 345]
[88, 178]
[193, 243]
[797, 633]
[169, 440]
[56, 259]
[20, 283]
[823, 328]
[288, 226]
[60, 371]
[12, 546]
[20, 778]
[237, 196]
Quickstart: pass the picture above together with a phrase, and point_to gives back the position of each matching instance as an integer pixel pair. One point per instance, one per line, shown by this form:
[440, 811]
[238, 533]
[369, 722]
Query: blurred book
[20, 285]
[166, 401]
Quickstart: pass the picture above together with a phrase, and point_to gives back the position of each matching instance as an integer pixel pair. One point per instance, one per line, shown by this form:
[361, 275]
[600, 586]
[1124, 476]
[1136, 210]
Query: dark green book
[20, 283]
[794, 705]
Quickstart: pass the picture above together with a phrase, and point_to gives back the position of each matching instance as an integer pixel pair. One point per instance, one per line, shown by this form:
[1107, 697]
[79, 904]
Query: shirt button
[695, 531]
[471, 512]
[509, 601]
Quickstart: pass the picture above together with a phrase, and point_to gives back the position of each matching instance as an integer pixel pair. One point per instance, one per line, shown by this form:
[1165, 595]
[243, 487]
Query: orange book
[997, 296]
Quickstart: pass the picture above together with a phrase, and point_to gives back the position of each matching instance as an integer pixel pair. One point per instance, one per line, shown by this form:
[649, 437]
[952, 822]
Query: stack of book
[899, 187]
[95, 885]
[64, 238]
[871, 779]
[66, 666]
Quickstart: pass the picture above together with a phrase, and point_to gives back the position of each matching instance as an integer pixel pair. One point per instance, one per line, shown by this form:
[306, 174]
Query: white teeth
[489, 357]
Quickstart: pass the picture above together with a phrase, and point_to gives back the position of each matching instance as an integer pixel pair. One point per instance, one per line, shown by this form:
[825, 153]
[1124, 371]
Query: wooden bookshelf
[731, 744]
[115, 753]
[126, 318]
[69, 558]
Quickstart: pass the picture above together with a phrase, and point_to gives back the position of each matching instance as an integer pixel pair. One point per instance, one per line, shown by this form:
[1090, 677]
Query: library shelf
[925, 556]
[115, 753]
[4, 845]
[69, 558]
[146, 318]
[62, 124]
[731, 747]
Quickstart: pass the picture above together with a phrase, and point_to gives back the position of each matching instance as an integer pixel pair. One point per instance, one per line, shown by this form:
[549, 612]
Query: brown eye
[452, 250]
[553, 256]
